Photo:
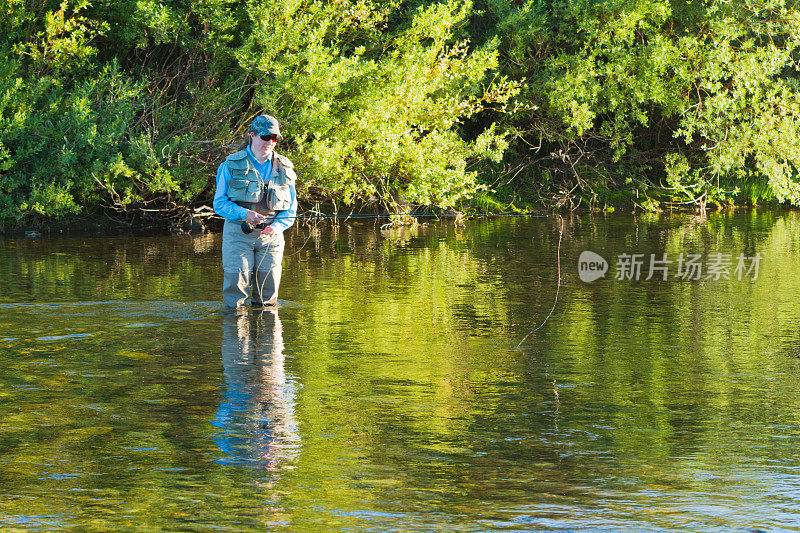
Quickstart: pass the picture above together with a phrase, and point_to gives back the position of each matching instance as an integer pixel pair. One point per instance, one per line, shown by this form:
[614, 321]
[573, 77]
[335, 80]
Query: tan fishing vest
[247, 188]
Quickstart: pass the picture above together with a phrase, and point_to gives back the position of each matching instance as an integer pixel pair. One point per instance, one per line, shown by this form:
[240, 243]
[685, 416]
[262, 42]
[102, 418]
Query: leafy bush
[129, 106]
[370, 116]
[715, 81]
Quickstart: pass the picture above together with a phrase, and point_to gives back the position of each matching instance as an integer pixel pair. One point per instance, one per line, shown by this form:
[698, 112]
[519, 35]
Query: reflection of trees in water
[256, 418]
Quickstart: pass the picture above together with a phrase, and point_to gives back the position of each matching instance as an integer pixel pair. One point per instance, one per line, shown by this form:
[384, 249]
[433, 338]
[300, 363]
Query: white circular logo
[591, 266]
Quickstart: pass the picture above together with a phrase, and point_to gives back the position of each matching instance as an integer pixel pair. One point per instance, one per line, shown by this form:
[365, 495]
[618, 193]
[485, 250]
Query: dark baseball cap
[266, 125]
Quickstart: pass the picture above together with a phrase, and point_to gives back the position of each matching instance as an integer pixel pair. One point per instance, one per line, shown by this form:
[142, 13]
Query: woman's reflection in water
[256, 418]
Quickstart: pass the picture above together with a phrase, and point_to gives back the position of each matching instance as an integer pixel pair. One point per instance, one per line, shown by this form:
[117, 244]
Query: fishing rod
[247, 227]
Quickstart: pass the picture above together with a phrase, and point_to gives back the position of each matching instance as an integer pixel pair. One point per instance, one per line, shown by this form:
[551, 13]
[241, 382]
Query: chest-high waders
[254, 259]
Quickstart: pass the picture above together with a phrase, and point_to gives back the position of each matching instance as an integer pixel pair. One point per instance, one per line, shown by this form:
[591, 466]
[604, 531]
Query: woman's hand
[269, 231]
[254, 218]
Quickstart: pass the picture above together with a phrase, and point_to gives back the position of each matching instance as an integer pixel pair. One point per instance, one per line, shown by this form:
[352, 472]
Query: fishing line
[558, 287]
[260, 288]
[322, 216]
[310, 233]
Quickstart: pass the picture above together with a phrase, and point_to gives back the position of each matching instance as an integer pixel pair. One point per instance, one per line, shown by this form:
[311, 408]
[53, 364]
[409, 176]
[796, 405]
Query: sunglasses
[267, 138]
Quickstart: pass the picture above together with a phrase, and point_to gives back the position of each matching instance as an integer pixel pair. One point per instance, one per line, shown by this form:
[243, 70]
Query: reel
[248, 228]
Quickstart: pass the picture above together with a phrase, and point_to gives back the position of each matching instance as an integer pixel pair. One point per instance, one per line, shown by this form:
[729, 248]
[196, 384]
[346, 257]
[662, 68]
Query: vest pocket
[240, 190]
[279, 197]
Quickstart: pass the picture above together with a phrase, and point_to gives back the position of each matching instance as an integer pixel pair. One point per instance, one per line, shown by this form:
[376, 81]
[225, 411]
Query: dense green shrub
[696, 94]
[374, 115]
[129, 106]
[110, 107]
[61, 117]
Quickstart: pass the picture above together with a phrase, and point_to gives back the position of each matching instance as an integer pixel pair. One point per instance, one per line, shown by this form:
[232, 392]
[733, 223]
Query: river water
[390, 392]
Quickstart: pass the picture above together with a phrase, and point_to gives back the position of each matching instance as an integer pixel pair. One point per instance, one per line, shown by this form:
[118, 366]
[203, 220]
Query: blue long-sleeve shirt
[230, 210]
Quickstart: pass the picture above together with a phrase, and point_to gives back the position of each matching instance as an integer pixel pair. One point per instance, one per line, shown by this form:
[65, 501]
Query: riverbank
[202, 219]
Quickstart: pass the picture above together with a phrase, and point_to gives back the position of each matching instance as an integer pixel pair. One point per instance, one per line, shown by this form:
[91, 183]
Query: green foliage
[56, 140]
[81, 132]
[714, 80]
[134, 103]
[743, 99]
[369, 118]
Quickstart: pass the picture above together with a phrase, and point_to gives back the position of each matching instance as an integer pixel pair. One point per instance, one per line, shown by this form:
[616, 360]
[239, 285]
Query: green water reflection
[386, 392]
